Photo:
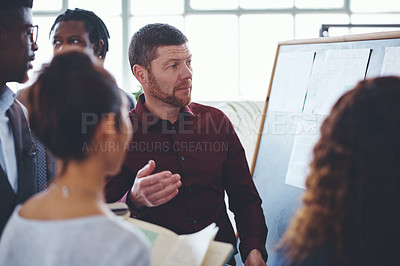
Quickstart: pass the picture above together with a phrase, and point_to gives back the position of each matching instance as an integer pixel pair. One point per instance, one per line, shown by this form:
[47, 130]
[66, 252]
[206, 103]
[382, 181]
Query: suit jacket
[25, 151]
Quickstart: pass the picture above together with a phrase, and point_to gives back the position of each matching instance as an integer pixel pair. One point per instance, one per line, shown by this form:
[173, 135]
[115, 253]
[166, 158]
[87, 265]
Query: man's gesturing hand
[156, 189]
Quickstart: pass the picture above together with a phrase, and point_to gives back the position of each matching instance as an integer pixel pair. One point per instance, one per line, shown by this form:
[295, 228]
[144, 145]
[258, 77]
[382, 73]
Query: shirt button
[195, 221]
[189, 189]
[182, 158]
[173, 127]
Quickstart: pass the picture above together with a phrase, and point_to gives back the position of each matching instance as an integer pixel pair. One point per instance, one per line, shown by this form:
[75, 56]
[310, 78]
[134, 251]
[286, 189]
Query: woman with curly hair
[350, 213]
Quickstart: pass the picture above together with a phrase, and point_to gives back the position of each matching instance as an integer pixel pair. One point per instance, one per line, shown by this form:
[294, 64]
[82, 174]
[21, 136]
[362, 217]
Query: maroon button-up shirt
[203, 148]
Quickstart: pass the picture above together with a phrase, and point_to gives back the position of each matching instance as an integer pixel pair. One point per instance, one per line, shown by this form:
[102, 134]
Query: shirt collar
[148, 119]
[7, 98]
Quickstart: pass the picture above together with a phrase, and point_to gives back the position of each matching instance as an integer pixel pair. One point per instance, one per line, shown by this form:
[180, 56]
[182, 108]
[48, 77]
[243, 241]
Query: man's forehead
[76, 25]
[71, 27]
[169, 52]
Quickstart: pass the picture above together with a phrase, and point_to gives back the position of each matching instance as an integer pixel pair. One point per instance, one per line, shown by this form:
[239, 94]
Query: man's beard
[171, 99]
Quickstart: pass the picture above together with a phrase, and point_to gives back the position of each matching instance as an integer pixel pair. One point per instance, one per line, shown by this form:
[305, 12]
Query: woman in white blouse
[79, 113]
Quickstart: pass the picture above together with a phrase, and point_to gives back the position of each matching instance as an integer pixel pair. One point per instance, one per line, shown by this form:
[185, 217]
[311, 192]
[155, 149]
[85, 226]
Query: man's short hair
[8, 5]
[144, 43]
[93, 24]
[5, 4]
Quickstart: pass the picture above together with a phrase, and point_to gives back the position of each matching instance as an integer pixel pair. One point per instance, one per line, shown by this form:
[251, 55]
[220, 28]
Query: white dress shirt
[7, 146]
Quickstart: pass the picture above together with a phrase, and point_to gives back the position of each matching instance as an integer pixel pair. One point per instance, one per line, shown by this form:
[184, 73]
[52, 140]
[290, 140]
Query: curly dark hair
[351, 205]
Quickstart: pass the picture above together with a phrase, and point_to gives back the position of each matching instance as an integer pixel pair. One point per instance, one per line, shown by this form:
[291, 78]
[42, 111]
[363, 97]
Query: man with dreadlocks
[82, 30]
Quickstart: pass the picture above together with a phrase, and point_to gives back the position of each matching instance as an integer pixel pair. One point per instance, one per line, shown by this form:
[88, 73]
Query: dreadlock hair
[93, 24]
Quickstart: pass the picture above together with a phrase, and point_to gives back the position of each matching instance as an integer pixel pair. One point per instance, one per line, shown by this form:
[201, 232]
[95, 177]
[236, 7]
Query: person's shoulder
[17, 228]
[15, 218]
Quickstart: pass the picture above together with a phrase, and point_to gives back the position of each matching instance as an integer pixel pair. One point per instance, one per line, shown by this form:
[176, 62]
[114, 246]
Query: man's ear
[98, 47]
[141, 74]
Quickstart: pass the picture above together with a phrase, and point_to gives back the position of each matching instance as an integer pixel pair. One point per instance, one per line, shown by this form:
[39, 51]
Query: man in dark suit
[18, 173]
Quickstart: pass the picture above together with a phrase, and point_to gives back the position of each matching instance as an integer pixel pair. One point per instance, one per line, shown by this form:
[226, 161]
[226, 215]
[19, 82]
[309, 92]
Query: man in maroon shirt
[196, 142]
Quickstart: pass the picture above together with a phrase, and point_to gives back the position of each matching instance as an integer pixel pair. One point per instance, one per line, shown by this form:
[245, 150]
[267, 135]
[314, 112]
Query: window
[233, 41]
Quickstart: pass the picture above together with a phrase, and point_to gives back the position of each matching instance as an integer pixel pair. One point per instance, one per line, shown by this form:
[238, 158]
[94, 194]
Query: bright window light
[375, 6]
[115, 57]
[258, 43]
[213, 4]
[156, 7]
[319, 3]
[47, 5]
[233, 47]
[258, 4]
[101, 8]
[373, 19]
[308, 25]
[213, 41]
[139, 21]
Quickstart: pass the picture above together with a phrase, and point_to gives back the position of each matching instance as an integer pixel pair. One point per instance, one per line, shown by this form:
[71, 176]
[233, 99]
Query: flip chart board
[307, 79]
